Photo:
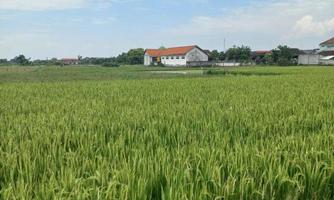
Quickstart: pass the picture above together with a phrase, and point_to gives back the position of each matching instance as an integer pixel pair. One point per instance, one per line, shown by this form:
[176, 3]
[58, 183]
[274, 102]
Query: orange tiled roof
[170, 51]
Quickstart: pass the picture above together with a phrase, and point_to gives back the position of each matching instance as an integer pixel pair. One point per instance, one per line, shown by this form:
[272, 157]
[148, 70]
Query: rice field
[92, 133]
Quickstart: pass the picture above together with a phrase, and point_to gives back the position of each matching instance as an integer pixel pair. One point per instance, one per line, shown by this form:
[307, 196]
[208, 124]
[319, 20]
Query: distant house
[309, 57]
[327, 48]
[70, 61]
[259, 56]
[176, 56]
[327, 60]
[324, 55]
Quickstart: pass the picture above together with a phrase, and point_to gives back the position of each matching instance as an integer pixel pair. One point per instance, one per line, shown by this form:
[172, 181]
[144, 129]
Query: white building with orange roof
[175, 56]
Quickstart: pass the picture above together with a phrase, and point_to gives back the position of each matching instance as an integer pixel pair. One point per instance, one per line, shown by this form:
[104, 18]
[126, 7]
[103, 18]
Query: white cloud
[308, 26]
[265, 23]
[41, 4]
[53, 4]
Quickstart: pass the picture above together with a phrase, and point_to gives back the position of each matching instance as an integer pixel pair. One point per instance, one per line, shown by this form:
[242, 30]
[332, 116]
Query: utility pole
[224, 45]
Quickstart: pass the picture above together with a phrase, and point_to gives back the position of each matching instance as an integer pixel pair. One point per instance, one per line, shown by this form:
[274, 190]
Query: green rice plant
[250, 136]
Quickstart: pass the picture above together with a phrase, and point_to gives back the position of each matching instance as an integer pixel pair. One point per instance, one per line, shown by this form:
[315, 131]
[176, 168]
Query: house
[327, 48]
[309, 57]
[324, 55]
[175, 56]
[70, 61]
[327, 60]
[258, 57]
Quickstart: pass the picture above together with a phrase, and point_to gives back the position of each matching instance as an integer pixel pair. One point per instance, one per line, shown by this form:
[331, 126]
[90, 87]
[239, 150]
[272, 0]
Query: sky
[102, 28]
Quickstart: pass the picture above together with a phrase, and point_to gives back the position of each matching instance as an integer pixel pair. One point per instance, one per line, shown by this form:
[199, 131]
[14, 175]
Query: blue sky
[67, 28]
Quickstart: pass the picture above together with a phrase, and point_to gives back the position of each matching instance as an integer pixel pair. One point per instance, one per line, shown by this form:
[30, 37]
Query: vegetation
[239, 54]
[21, 60]
[283, 56]
[260, 133]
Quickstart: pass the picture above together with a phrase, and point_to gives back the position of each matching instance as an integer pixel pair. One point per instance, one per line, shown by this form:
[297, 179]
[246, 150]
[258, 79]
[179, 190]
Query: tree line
[282, 55]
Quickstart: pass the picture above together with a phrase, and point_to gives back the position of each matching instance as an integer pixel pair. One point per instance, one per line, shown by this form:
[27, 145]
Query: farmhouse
[70, 61]
[309, 57]
[176, 56]
[259, 56]
[323, 56]
[327, 48]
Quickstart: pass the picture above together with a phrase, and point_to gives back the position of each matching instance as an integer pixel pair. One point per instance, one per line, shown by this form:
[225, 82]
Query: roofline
[193, 46]
[325, 42]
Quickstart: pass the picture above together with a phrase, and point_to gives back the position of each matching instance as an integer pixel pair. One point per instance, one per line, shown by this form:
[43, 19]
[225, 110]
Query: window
[172, 57]
[183, 57]
[167, 57]
[177, 57]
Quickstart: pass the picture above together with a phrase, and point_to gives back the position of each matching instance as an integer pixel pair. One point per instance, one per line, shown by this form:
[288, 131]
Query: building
[258, 57]
[309, 57]
[327, 48]
[70, 61]
[323, 56]
[176, 56]
[327, 60]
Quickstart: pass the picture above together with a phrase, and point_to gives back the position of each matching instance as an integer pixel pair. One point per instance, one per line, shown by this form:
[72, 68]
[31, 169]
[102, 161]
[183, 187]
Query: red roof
[262, 52]
[170, 51]
[69, 59]
[330, 41]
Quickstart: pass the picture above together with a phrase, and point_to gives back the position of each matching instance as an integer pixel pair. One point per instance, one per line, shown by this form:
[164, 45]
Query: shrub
[110, 65]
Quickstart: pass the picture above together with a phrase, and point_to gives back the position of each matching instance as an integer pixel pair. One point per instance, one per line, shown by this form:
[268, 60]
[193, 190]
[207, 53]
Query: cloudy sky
[67, 28]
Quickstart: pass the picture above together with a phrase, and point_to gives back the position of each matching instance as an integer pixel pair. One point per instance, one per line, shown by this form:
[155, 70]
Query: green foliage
[239, 54]
[21, 60]
[214, 55]
[268, 59]
[231, 137]
[4, 62]
[110, 65]
[135, 56]
[222, 55]
[283, 56]
[51, 62]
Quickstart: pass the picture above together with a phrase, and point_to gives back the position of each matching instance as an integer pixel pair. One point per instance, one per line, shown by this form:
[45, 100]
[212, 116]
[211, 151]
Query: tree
[3, 61]
[239, 54]
[222, 55]
[245, 54]
[232, 54]
[214, 55]
[135, 56]
[122, 58]
[21, 60]
[283, 56]
[268, 59]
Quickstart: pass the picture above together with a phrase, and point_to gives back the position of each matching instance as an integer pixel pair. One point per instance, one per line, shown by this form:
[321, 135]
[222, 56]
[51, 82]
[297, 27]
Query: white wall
[179, 60]
[327, 62]
[173, 61]
[196, 55]
[327, 47]
[147, 60]
[308, 59]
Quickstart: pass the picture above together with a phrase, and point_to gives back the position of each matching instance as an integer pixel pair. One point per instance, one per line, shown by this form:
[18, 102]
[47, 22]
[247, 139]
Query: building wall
[196, 55]
[327, 62]
[327, 47]
[176, 60]
[308, 59]
[147, 60]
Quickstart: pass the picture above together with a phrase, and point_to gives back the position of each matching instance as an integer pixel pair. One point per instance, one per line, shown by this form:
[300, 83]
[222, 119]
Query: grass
[127, 133]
